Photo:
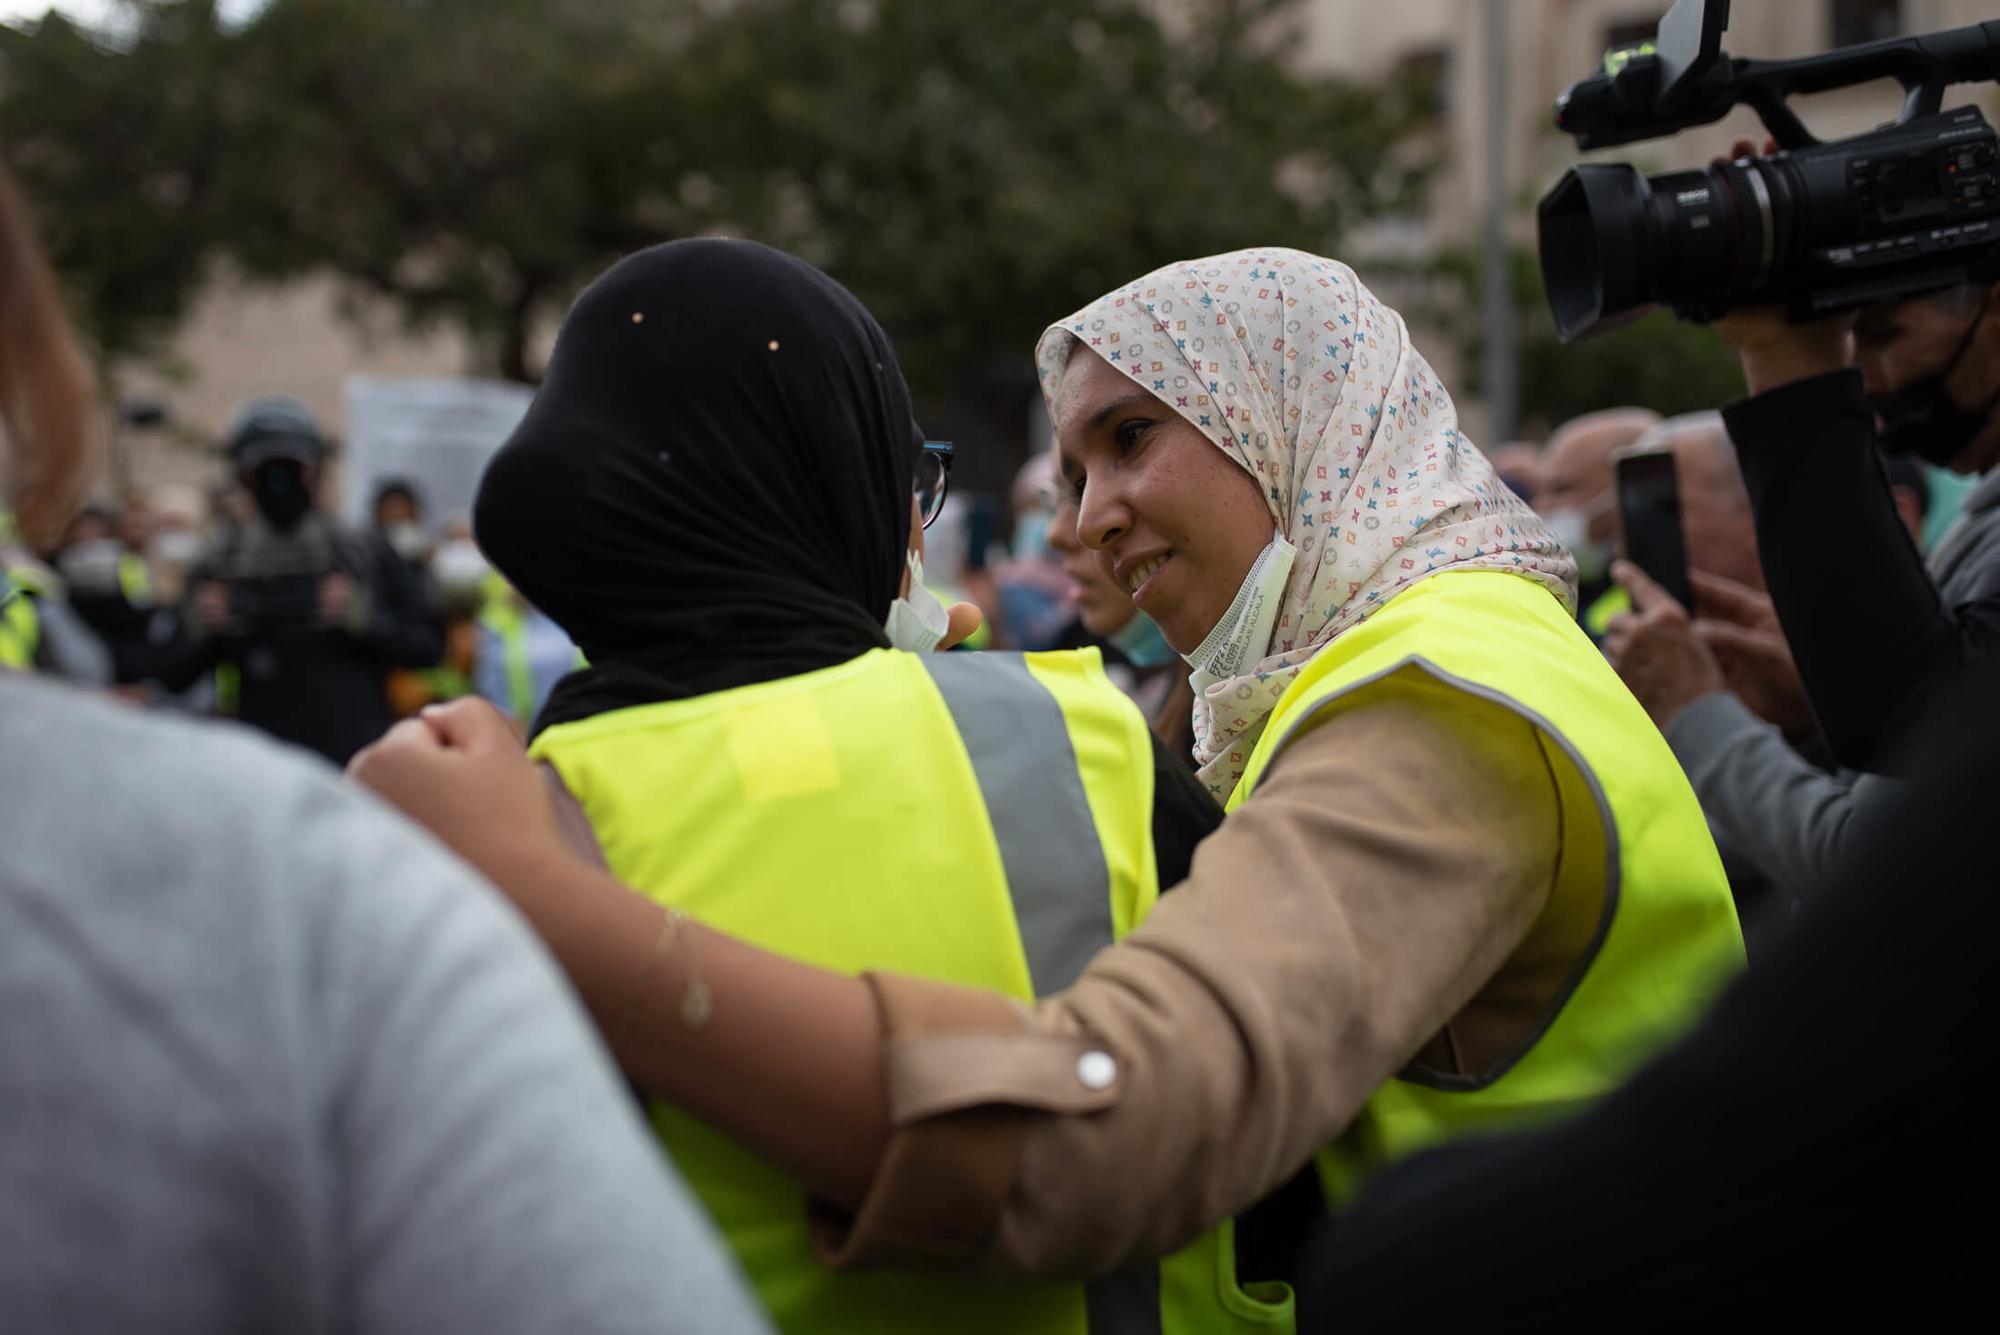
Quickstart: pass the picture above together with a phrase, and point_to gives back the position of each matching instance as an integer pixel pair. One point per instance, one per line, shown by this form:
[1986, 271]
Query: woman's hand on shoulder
[459, 770]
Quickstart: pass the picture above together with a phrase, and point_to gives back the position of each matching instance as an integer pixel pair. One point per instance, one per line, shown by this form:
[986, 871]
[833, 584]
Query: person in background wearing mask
[178, 516]
[456, 577]
[1578, 496]
[1724, 689]
[1873, 630]
[1158, 677]
[497, 646]
[1033, 590]
[111, 590]
[301, 617]
[399, 518]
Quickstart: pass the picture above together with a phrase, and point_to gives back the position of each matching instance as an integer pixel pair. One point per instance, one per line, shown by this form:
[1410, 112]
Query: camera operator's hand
[211, 607]
[459, 771]
[1655, 649]
[1775, 351]
[1740, 627]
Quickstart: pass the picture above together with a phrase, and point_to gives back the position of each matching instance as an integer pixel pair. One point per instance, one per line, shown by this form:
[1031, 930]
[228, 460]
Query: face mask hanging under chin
[1242, 638]
[917, 621]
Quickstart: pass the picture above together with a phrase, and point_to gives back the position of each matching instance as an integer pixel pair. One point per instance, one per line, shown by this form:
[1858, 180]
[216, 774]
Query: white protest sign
[435, 433]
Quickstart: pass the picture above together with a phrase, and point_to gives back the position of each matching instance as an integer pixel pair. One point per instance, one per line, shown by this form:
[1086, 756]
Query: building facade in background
[243, 340]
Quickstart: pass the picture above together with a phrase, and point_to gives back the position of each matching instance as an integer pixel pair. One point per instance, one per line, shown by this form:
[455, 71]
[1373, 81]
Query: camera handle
[1688, 80]
[1923, 66]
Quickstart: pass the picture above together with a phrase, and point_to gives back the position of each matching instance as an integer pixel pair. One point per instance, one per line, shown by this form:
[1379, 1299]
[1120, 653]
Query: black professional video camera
[1910, 208]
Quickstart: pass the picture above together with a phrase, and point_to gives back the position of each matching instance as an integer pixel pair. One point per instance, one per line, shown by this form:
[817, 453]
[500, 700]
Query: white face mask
[407, 540]
[917, 621]
[459, 567]
[1572, 530]
[1240, 639]
[176, 548]
[91, 568]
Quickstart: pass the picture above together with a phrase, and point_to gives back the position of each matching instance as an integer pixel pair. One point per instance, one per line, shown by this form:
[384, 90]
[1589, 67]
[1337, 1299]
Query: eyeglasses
[933, 478]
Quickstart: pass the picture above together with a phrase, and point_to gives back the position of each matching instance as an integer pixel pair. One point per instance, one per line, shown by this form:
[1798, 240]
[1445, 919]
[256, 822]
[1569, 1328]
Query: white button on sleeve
[1096, 1070]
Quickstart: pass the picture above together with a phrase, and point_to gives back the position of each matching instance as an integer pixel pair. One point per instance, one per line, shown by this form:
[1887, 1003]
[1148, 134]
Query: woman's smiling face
[1169, 516]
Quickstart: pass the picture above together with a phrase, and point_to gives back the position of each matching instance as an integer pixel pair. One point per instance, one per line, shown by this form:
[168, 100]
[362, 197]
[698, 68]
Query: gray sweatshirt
[271, 1060]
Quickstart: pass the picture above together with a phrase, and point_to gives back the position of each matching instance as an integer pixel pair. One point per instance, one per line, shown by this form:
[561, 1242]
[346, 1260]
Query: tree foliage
[473, 161]
[1656, 362]
[123, 154]
[971, 170]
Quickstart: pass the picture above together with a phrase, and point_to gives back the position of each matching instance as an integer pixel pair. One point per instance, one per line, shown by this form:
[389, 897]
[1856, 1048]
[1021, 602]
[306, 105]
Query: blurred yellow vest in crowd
[20, 626]
[1667, 937]
[939, 815]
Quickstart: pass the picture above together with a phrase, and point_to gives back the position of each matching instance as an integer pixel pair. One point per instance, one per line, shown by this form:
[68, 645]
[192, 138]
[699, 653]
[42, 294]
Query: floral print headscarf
[1299, 374]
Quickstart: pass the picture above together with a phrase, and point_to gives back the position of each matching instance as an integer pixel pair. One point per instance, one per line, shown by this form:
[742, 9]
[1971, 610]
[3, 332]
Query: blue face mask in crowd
[1031, 537]
[1142, 643]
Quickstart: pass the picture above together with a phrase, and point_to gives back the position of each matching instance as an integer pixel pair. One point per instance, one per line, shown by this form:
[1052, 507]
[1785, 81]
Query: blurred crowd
[254, 602]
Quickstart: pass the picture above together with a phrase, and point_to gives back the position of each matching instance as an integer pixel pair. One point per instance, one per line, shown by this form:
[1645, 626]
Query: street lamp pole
[1501, 371]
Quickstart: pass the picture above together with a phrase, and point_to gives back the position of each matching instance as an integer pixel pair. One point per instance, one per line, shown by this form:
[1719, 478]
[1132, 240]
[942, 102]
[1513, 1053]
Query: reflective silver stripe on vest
[1021, 753]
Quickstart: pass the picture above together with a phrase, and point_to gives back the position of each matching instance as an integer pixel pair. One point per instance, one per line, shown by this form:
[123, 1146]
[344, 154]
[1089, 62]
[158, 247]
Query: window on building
[1425, 74]
[1857, 21]
[1630, 32]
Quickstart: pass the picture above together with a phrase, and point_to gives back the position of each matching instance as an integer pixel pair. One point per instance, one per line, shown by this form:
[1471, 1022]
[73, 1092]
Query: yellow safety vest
[1633, 835]
[135, 581]
[981, 819]
[1596, 618]
[20, 627]
[501, 616]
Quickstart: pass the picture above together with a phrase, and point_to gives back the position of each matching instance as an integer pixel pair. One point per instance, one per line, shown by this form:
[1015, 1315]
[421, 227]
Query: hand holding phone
[1649, 503]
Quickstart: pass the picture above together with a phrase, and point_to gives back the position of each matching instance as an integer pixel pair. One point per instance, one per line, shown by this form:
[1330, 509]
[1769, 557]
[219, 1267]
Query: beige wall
[242, 340]
[1554, 42]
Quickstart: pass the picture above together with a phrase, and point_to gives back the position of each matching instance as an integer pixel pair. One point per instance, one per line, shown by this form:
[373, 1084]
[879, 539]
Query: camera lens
[1614, 243]
[1593, 243]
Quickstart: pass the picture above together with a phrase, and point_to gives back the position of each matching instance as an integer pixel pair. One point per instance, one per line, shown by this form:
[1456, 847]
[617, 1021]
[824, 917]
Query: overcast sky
[94, 11]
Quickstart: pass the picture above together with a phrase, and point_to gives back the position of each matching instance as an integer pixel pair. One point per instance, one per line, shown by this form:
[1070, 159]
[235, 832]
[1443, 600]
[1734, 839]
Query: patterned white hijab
[1299, 374]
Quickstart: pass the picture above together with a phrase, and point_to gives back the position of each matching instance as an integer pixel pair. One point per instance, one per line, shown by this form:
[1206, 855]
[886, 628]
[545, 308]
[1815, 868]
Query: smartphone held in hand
[1649, 504]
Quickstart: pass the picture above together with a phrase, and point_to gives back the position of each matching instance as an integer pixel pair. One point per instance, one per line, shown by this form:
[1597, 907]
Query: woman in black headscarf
[713, 485]
[715, 494]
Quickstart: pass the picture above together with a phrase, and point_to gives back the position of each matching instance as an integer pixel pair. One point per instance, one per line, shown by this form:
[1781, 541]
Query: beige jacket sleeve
[1344, 921]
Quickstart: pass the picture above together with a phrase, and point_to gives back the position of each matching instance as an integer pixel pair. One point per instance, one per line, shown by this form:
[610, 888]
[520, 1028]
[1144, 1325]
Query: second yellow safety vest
[981, 819]
[1634, 838]
[20, 627]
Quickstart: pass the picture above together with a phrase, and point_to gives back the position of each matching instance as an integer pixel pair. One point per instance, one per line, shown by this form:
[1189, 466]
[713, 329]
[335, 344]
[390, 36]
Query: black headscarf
[713, 486]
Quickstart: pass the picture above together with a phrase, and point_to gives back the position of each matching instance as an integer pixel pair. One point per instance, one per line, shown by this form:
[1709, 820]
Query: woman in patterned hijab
[1474, 887]
[1320, 407]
